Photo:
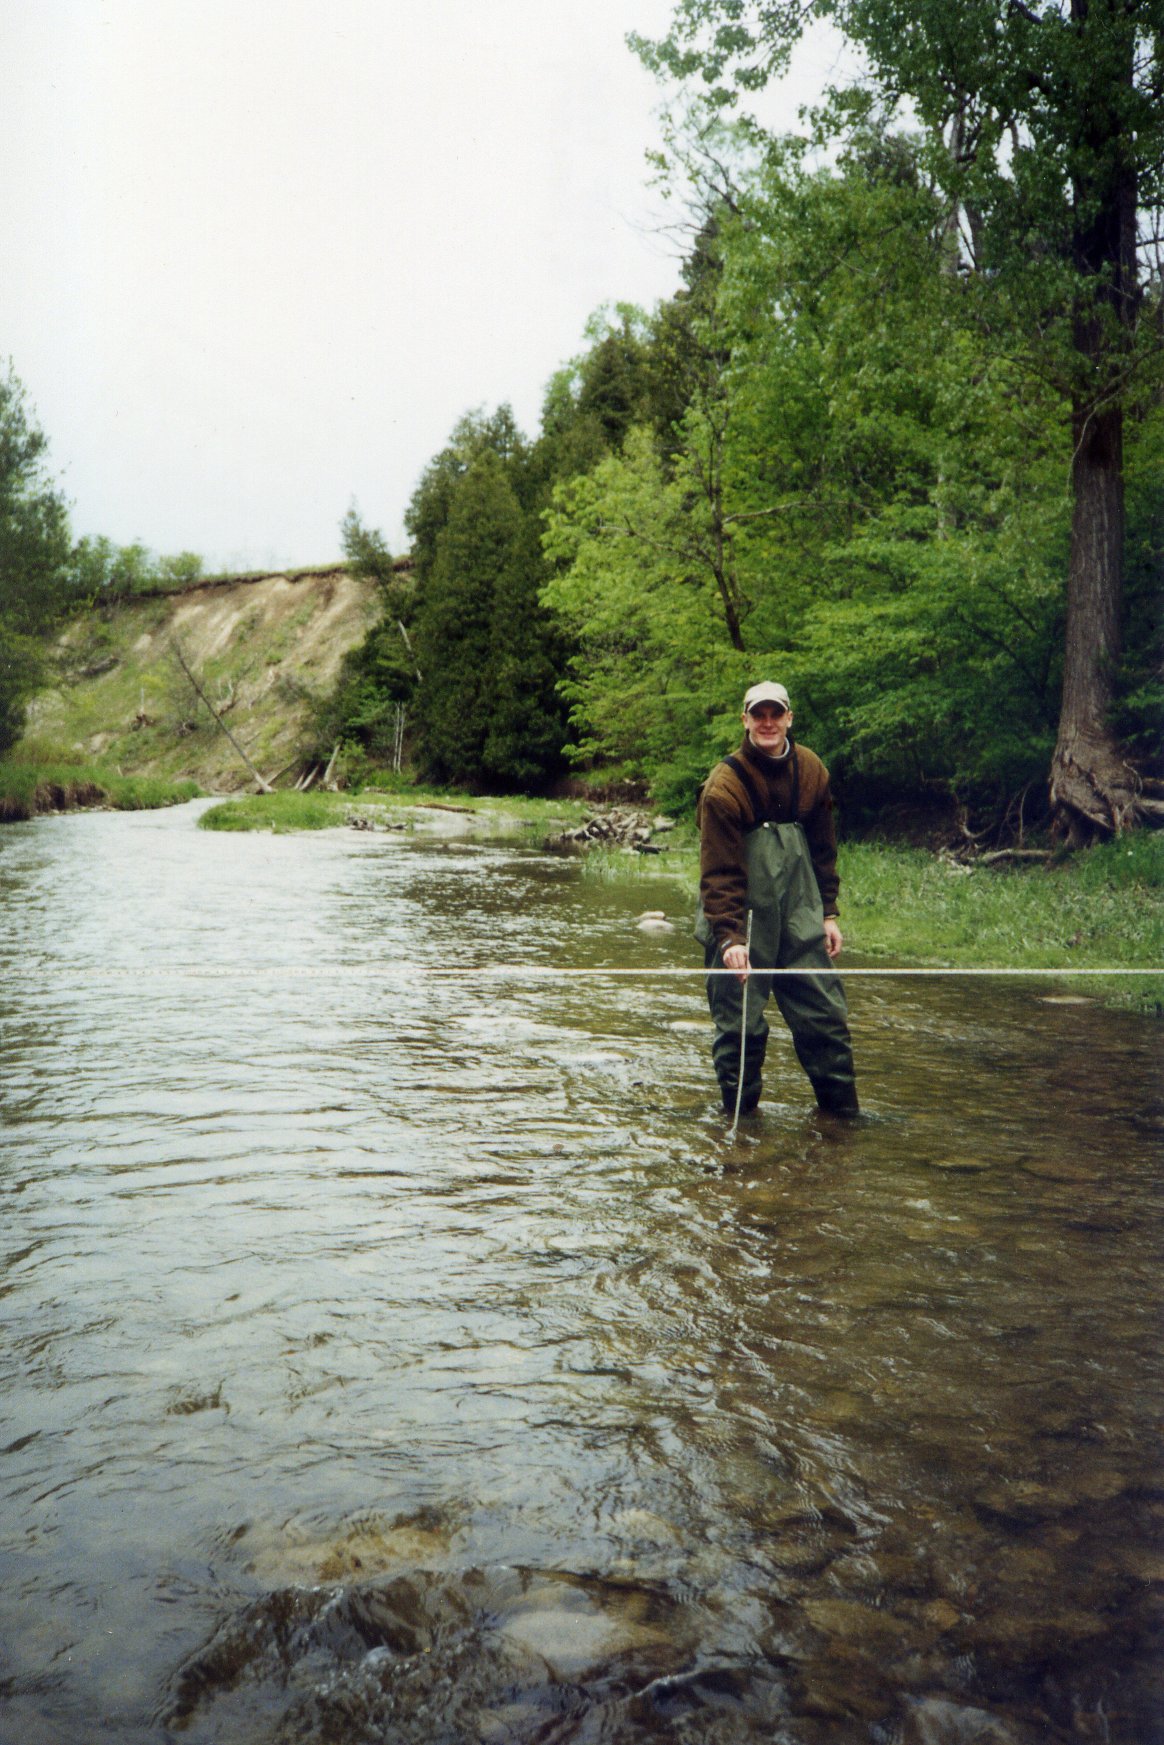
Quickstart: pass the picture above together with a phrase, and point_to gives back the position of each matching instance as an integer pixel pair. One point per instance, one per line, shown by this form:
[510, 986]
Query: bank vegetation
[29, 789]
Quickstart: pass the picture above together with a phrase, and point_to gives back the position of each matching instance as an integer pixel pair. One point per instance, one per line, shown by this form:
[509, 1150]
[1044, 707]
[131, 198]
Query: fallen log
[264, 785]
[620, 827]
[1012, 854]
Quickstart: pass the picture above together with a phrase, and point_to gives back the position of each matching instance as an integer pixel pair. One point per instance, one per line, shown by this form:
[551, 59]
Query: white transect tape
[498, 972]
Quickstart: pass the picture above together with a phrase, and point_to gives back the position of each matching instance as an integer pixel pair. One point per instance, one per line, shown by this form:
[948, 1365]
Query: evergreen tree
[476, 541]
[487, 709]
[34, 556]
[523, 744]
[429, 509]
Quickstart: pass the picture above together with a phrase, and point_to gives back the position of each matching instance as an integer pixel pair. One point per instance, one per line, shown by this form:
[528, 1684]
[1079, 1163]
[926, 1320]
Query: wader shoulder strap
[760, 813]
[748, 782]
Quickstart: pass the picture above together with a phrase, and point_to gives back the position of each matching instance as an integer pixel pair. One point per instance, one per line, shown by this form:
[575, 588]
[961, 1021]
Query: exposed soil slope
[263, 648]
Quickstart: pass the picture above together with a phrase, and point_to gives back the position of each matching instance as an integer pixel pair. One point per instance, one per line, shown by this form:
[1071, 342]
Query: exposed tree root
[1095, 792]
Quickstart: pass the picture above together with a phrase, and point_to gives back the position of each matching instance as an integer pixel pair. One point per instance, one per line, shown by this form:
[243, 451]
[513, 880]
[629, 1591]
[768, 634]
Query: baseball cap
[766, 693]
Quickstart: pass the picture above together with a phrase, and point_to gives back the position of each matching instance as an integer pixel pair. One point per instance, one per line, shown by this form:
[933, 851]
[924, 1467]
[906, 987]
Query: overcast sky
[257, 256]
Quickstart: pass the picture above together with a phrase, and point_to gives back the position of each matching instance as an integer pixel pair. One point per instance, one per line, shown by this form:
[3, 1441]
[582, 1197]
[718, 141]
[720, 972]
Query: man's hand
[736, 957]
[834, 938]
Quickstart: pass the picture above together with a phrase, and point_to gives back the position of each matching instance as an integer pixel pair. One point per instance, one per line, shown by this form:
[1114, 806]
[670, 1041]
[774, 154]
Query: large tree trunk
[1093, 789]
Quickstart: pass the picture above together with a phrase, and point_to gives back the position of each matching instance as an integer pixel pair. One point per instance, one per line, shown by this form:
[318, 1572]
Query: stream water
[410, 1359]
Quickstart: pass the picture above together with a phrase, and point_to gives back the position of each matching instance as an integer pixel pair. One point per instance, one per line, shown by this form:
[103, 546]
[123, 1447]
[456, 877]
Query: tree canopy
[830, 458]
[488, 713]
[896, 440]
[1042, 135]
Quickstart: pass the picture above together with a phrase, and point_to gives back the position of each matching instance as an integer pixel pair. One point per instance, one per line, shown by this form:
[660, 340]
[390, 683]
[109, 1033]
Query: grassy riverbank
[1102, 908]
[408, 808]
[27, 789]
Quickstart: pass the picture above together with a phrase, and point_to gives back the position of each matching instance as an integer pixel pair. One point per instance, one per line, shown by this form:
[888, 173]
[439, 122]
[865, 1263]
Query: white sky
[257, 256]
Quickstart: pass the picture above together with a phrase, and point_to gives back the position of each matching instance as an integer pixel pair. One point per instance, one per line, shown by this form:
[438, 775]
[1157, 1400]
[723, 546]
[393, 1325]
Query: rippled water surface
[409, 1358]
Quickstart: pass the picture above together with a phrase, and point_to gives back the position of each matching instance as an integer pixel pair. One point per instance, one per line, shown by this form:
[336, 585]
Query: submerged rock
[468, 1654]
[571, 1634]
[368, 1545]
[941, 1615]
[936, 1721]
[863, 1628]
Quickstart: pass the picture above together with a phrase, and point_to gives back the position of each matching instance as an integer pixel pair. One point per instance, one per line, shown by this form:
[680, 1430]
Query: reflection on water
[408, 1359]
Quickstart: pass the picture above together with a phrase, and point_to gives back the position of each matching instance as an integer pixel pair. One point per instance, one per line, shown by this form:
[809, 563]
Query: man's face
[766, 725]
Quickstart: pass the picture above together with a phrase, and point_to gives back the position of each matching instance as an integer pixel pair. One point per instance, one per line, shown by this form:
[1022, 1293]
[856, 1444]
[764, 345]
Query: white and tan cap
[766, 693]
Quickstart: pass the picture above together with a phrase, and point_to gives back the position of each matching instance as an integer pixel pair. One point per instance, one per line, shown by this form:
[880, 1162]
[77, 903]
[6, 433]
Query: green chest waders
[787, 933]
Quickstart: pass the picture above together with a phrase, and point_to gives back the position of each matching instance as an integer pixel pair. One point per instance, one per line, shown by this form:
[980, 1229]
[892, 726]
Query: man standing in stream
[768, 845]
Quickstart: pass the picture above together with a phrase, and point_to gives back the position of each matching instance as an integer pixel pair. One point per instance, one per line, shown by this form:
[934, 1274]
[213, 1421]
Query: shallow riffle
[410, 1357]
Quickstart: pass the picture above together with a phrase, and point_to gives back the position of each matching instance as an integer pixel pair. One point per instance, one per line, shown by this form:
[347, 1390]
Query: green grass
[1101, 908]
[279, 813]
[27, 789]
[316, 810]
[678, 863]
[529, 808]
[1104, 905]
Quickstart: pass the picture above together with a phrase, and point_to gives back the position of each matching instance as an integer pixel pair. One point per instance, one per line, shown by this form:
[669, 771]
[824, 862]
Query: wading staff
[743, 1026]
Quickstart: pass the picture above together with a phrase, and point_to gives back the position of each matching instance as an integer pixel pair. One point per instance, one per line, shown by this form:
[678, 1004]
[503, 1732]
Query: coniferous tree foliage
[475, 556]
[488, 712]
[526, 720]
[34, 556]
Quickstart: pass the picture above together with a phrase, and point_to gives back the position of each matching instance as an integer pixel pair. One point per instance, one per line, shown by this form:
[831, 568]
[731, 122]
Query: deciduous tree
[1044, 132]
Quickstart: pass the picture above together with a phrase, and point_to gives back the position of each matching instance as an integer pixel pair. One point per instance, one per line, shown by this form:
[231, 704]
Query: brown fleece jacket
[725, 811]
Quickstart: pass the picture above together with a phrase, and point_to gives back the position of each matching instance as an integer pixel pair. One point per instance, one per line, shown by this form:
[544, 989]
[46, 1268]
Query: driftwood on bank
[331, 763]
[264, 785]
[1012, 854]
[411, 652]
[615, 827]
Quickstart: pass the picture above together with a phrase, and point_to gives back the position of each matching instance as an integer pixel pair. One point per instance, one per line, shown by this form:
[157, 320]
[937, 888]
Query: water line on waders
[743, 1028]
